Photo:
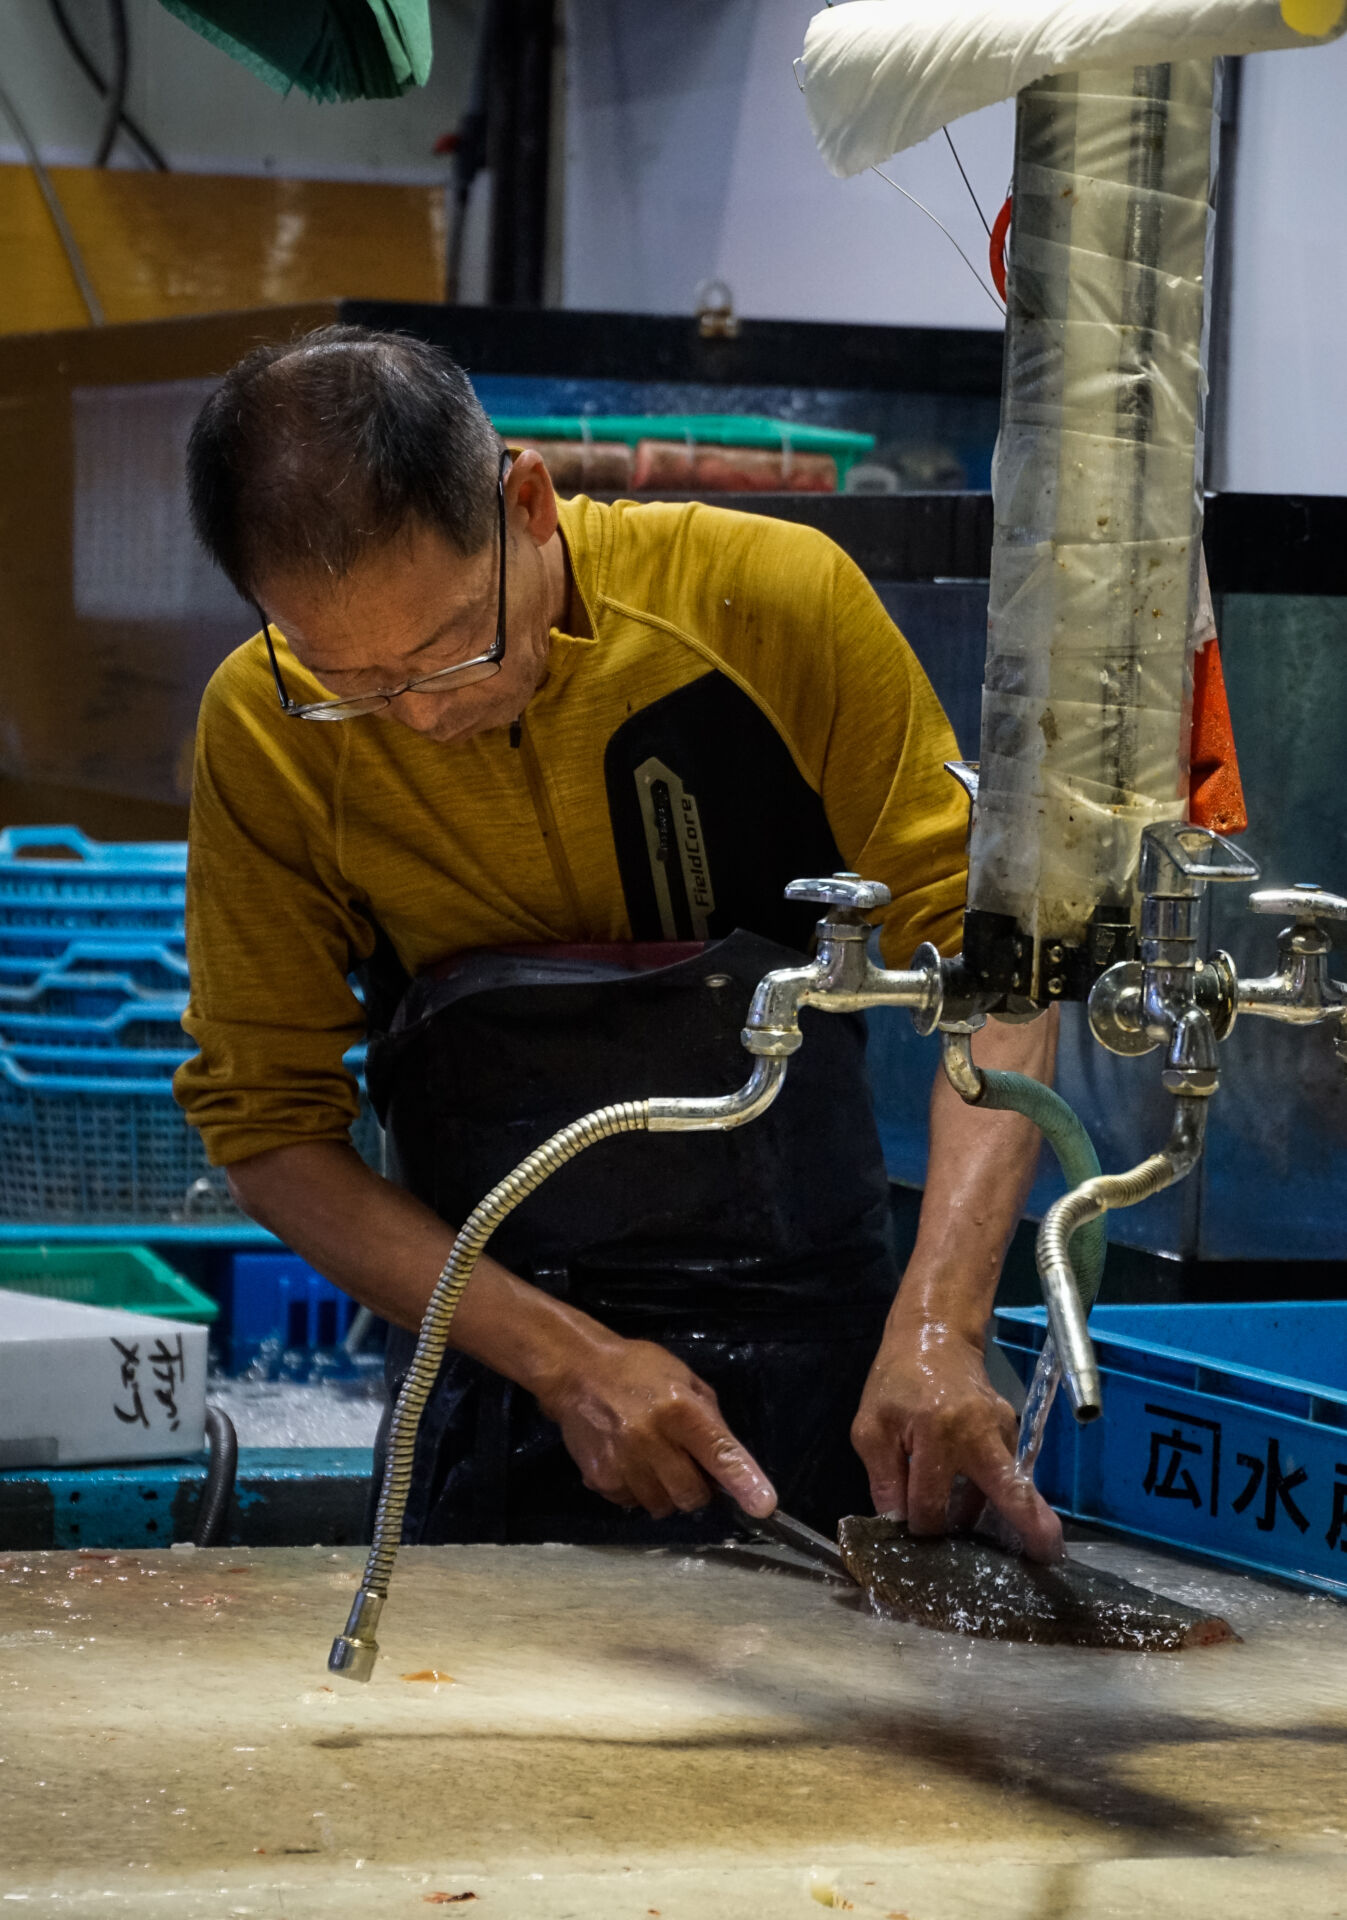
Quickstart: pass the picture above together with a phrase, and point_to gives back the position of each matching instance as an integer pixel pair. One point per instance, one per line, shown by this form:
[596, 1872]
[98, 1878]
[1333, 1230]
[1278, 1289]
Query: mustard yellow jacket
[744, 713]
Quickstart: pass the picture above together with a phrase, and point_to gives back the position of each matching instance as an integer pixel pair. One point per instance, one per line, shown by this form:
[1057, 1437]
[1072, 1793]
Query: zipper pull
[516, 732]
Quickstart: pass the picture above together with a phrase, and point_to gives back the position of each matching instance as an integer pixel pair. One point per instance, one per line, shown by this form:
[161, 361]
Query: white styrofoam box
[86, 1384]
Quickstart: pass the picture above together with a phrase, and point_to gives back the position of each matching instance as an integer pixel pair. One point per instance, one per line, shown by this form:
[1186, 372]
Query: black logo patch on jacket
[711, 817]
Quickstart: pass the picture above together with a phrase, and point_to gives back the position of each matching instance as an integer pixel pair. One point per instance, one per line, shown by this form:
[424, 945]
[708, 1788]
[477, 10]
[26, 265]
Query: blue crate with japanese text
[1224, 1432]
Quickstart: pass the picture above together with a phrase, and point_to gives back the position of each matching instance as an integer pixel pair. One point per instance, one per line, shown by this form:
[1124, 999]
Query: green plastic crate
[713, 429]
[132, 1278]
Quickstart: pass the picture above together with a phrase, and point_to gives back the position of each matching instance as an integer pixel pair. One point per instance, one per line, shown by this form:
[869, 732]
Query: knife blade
[789, 1532]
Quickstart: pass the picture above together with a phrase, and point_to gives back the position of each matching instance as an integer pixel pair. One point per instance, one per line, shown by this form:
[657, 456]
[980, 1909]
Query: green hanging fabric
[329, 49]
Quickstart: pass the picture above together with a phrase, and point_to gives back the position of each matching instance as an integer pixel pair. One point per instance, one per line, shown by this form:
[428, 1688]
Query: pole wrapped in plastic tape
[880, 75]
[1098, 509]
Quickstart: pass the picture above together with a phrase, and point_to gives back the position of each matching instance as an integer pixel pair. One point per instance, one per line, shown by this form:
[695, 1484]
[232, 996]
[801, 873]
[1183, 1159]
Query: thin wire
[967, 182]
[72, 253]
[121, 72]
[80, 53]
[889, 181]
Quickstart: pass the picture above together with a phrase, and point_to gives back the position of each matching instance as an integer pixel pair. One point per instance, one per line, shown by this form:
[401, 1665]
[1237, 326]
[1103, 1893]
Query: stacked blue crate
[283, 1316]
[93, 984]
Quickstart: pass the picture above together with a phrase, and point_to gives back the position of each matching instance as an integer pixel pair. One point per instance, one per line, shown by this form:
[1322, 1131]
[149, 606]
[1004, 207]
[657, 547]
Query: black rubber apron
[761, 1257]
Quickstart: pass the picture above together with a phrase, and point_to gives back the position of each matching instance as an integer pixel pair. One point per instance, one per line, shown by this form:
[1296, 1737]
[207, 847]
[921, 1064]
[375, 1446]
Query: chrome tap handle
[1174, 852]
[1306, 903]
[845, 890]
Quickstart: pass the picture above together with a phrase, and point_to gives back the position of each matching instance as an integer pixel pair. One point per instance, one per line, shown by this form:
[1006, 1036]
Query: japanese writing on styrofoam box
[150, 1374]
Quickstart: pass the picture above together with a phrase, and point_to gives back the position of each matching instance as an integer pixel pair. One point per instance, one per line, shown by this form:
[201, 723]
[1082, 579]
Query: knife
[783, 1527]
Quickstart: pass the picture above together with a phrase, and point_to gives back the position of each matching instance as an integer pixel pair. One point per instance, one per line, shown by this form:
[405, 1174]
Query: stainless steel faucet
[1301, 990]
[1170, 997]
[841, 978]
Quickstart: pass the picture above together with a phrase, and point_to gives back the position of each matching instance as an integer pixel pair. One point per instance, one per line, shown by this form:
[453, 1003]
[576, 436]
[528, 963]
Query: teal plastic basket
[131, 1278]
[702, 429]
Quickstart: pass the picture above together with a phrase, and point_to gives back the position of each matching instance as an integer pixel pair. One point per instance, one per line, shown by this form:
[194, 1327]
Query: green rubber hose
[1066, 1135]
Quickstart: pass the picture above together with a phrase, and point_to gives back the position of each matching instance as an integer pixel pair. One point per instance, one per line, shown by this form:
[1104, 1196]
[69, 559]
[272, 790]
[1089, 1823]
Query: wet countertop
[633, 1734]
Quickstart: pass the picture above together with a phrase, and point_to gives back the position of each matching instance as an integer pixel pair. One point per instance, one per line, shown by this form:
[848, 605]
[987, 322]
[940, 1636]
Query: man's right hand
[642, 1428]
[646, 1432]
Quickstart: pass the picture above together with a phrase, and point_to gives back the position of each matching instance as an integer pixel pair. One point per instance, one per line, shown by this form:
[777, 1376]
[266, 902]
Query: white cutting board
[80, 1385]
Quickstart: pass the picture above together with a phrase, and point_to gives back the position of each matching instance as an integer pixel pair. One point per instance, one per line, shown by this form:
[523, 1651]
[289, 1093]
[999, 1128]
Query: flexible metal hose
[602, 1124]
[355, 1651]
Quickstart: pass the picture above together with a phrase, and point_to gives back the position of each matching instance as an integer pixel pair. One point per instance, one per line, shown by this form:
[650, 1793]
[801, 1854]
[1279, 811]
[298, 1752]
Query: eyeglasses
[466, 673]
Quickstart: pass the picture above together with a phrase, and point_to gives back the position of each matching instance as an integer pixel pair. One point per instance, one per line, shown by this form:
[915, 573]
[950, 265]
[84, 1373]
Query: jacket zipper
[547, 825]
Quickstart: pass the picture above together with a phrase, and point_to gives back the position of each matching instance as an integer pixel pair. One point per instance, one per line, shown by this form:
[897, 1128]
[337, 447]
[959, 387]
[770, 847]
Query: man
[578, 747]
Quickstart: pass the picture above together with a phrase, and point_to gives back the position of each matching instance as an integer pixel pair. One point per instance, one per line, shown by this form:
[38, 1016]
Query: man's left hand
[929, 1415]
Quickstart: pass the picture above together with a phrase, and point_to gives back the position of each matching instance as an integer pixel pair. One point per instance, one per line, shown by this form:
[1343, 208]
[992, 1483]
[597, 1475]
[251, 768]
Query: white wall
[689, 156]
[211, 115]
[1286, 411]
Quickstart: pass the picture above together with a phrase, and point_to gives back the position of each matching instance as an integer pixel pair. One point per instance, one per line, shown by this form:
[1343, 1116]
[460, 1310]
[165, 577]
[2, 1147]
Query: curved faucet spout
[1061, 1294]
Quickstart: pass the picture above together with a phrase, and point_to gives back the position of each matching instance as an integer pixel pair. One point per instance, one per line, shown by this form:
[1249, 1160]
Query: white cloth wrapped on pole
[882, 75]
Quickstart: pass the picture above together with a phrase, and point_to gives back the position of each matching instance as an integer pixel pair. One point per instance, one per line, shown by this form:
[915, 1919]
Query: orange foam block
[1215, 791]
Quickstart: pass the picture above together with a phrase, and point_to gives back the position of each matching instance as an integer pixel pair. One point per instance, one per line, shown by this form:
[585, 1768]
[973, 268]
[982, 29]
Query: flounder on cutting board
[962, 1583]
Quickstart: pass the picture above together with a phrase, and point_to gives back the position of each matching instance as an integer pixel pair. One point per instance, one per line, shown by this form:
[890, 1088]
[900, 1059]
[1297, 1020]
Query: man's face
[415, 606]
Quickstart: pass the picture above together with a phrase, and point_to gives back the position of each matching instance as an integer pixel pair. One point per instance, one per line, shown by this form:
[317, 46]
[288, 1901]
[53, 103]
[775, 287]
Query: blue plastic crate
[275, 1303]
[56, 994]
[91, 976]
[93, 910]
[69, 853]
[1224, 1432]
[94, 1136]
[135, 1023]
[26, 950]
[59, 877]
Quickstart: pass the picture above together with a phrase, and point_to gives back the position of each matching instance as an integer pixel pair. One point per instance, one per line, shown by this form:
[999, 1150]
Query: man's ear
[529, 490]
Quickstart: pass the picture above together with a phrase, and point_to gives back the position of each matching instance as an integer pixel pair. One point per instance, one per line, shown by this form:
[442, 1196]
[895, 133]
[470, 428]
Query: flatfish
[962, 1583]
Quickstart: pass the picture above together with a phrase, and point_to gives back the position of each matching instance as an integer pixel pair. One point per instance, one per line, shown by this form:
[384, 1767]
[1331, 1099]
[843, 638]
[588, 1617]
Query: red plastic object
[1215, 791]
[997, 252]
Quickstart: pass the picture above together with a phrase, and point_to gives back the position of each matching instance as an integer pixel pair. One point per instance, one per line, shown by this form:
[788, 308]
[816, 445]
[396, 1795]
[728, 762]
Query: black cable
[121, 63]
[80, 53]
[220, 1475]
[967, 182]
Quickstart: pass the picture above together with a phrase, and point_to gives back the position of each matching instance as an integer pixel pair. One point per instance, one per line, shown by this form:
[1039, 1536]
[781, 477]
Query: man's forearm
[935, 1436]
[980, 1168]
[640, 1426]
[387, 1249]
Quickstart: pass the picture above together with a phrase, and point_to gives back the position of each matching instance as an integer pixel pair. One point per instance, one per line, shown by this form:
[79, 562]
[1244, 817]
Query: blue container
[93, 910]
[1224, 1432]
[57, 995]
[56, 877]
[93, 1135]
[135, 1023]
[67, 853]
[278, 1302]
[90, 977]
[25, 951]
